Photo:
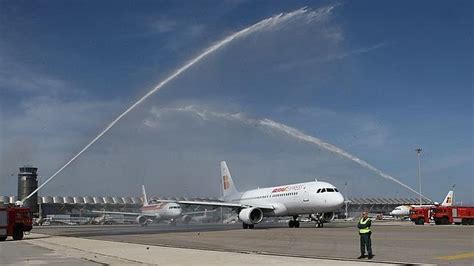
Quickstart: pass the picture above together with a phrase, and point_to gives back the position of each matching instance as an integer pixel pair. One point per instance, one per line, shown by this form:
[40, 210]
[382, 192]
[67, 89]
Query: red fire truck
[453, 214]
[15, 221]
[420, 215]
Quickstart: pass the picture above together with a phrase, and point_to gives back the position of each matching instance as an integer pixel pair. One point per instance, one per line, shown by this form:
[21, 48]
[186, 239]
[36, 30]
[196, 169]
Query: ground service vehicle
[420, 215]
[453, 214]
[15, 221]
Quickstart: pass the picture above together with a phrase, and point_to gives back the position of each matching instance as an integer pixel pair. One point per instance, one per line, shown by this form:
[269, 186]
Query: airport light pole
[345, 201]
[454, 202]
[418, 153]
[40, 209]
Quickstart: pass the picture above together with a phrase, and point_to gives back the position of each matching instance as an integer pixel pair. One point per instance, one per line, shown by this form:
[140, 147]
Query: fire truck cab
[420, 215]
[14, 222]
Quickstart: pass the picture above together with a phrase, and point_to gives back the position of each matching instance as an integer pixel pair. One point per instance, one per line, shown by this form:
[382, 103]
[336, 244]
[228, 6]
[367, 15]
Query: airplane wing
[125, 213]
[199, 212]
[220, 204]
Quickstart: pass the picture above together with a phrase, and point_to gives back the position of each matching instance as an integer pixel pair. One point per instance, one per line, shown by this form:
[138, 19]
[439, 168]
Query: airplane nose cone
[339, 200]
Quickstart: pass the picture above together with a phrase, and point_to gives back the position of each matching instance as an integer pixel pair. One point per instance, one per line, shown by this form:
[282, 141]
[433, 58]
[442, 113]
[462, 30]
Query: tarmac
[394, 243]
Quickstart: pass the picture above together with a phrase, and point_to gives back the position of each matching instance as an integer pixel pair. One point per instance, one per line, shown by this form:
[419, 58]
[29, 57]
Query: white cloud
[179, 33]
[355, 130]
[447, 162]
[17, 77]
[336, 36]
[47, 120]
[163, 25]
[357, 51]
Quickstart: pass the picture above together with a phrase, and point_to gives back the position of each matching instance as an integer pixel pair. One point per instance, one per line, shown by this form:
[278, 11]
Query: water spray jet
[292, 132]
[265, 24]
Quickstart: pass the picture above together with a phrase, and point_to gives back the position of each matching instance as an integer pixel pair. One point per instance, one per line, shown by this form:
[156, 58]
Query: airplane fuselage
[162, 211]
[293, 199]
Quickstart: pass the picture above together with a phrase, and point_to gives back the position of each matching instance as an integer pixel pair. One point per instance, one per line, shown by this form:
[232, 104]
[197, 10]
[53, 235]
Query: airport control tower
[27, 183]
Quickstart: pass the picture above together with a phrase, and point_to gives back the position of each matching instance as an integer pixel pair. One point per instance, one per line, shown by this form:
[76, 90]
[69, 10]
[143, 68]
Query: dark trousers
[365, 242]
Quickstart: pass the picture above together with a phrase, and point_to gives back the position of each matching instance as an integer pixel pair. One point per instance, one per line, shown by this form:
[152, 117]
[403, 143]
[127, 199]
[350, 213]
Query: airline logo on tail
[449, 200]
[225, 181]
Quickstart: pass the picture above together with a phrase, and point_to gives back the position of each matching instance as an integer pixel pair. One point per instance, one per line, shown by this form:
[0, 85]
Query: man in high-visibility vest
[364, 233]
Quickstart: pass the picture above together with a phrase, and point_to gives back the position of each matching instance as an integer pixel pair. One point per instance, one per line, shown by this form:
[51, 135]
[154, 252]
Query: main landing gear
[247, 226]
[294, 223]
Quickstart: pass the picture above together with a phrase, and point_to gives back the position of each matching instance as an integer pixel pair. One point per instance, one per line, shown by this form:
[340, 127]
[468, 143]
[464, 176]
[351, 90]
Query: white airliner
[400, 211]
[317, 199]
[404, 210]
[167, 211]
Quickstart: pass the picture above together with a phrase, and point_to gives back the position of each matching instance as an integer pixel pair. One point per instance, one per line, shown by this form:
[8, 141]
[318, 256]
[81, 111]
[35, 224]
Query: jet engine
[252, 215]
[324, 217]
[142, 220]
[328, 216]
[186, 219]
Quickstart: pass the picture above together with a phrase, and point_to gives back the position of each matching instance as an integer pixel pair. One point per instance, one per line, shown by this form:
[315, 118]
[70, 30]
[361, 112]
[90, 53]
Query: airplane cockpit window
[329, 189]
[323, 190]
[318, 191]
[335, 189]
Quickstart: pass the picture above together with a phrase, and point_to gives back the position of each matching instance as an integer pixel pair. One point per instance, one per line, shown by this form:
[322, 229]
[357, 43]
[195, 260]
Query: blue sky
[376, 79]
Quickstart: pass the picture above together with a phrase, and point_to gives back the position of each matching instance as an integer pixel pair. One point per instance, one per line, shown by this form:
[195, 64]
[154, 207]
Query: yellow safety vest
[364, 230]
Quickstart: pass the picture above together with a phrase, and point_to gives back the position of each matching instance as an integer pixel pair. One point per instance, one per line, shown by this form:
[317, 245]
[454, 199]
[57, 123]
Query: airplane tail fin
[145, 199]
[228, 187]
[448, 201]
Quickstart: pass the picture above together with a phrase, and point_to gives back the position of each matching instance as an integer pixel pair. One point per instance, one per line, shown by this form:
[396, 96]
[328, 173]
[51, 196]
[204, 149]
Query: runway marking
[457, 257]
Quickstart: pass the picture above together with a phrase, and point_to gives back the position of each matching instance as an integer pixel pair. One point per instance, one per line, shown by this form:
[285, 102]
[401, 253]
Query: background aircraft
[404, 210]
[155, 212]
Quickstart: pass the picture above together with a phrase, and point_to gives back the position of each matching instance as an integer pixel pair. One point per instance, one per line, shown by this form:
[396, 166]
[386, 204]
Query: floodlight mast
[345, 201]
[418, 153]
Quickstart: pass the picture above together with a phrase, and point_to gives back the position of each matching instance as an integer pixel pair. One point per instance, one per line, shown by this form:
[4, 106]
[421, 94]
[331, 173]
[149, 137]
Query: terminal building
[84, 205]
